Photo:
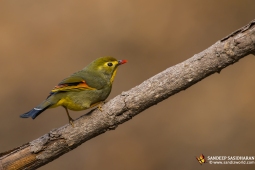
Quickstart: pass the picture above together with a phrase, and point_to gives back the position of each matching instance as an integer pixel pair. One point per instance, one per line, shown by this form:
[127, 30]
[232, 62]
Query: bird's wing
[72, 83]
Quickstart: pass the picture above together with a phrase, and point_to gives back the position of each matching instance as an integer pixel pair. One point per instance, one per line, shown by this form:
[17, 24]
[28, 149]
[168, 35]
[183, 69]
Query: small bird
[84, 89]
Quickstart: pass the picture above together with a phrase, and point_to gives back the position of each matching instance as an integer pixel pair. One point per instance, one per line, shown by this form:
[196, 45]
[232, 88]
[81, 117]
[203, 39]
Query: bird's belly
[82, 100]
[70, 104]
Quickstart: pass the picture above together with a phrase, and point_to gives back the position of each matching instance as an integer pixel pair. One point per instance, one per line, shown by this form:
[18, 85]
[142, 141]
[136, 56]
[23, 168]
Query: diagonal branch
[130, 103]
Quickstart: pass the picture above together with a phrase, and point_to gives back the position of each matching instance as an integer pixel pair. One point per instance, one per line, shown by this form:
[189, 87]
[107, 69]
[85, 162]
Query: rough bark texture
[128, 104]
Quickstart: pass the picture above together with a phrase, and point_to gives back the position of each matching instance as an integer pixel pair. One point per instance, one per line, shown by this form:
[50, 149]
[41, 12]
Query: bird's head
[106, 66]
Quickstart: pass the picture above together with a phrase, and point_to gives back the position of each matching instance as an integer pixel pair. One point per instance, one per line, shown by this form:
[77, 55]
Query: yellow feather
[67, 102]
[113, 75]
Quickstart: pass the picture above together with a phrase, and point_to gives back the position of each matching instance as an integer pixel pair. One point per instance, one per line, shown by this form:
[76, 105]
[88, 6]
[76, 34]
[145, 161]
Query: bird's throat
[113, 75]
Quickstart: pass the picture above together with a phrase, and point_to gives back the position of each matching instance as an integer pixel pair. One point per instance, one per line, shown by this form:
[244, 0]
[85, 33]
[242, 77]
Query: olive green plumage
[83, 89]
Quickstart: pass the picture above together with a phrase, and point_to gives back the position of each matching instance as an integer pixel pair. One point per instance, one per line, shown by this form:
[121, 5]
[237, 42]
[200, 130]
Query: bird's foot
[71, 122]
[100, 107]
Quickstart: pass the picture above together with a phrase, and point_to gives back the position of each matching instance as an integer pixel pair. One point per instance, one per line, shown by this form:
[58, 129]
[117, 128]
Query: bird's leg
[69, 117]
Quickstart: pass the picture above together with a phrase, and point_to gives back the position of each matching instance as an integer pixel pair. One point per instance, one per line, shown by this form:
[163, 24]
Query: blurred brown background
[42, 42]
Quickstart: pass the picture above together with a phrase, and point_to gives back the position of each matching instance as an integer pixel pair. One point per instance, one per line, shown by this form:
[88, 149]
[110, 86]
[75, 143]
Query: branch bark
[130, 103]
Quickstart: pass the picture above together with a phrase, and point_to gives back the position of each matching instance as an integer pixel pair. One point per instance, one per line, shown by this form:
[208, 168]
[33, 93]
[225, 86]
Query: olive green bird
[83, 89]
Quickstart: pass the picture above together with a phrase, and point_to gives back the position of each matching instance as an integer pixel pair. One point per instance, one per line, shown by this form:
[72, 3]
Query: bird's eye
[109, 64]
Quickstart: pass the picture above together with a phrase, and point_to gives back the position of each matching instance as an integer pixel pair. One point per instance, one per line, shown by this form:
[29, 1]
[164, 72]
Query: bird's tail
[37, 110]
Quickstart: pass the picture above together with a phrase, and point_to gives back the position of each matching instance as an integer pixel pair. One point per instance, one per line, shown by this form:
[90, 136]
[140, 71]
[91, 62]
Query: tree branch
[130, 103]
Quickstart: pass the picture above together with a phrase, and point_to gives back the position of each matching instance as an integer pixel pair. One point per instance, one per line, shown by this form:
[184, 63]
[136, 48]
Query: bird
[82, 90]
